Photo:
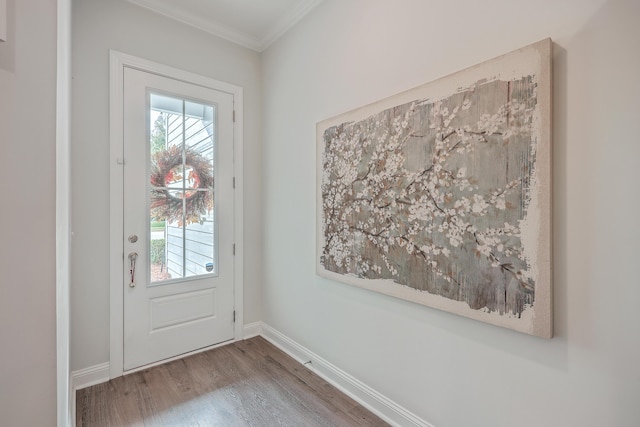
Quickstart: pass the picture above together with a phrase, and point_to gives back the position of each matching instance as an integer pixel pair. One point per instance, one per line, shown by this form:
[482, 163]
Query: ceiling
[251, 23]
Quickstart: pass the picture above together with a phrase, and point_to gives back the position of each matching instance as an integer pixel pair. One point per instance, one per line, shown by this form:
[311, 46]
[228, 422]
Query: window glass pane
[158, 251]
[175, 250]
[182, 188]
[199, 248]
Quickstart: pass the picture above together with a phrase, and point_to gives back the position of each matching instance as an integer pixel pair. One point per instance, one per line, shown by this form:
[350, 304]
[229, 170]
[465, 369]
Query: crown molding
[287, 22]
[226, 32]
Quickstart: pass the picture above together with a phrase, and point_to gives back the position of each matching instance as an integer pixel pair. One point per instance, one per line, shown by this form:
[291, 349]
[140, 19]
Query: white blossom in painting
[432, 194]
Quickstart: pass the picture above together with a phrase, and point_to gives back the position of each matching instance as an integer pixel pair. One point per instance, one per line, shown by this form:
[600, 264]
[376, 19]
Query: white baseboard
[377, 403]
[92, 375]
[252, 330]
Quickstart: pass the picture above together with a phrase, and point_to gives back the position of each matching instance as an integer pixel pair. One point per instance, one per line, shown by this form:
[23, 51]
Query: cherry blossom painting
[442, 195]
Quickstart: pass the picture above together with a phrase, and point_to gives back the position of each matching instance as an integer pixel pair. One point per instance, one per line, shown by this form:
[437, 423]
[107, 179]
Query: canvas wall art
[441, 195]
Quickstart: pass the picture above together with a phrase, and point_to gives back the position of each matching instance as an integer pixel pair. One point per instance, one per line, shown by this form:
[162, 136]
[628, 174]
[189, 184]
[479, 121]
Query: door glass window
[182, 147]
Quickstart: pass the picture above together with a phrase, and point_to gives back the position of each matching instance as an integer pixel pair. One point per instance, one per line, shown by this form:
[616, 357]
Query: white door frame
[118, 61]
[65, 397]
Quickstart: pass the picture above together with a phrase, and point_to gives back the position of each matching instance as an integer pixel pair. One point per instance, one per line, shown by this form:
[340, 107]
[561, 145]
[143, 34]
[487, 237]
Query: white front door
[178, 217]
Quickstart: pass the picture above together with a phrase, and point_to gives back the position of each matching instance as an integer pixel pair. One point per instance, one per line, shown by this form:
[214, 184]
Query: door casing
[118, 62]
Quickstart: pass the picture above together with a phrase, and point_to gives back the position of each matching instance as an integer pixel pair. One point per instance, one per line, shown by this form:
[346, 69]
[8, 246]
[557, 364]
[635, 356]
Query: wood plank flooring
[247, 383]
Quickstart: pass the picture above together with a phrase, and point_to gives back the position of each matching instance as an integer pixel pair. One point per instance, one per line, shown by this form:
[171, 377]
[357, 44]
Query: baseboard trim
[252, 330]
[377, 403]
[92, 375]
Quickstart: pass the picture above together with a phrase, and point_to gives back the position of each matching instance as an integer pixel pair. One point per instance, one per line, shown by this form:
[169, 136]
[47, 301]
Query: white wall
[27, 215]
[98, 26]
[449, 370]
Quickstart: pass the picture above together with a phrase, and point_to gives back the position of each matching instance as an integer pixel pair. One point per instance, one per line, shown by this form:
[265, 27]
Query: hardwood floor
[247, 383]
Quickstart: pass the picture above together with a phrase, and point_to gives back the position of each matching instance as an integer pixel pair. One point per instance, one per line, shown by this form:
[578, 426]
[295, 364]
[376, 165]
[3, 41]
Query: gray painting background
[497, 157]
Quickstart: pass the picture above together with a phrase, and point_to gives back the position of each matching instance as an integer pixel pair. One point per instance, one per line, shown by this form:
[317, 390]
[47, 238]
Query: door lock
[133, 238]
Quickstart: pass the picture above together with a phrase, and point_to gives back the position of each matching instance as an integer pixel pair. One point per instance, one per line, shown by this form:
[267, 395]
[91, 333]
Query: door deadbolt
[133, 238]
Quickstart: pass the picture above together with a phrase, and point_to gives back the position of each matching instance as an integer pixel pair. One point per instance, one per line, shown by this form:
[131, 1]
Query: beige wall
[98, 26]
[449, 370]
[27, 215]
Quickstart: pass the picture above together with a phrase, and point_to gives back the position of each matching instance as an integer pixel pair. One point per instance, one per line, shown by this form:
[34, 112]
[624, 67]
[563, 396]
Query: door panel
[171, 310]
[178, 217]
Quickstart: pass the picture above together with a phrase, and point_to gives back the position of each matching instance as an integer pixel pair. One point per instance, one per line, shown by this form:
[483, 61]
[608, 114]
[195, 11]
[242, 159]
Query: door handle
[133, 257]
